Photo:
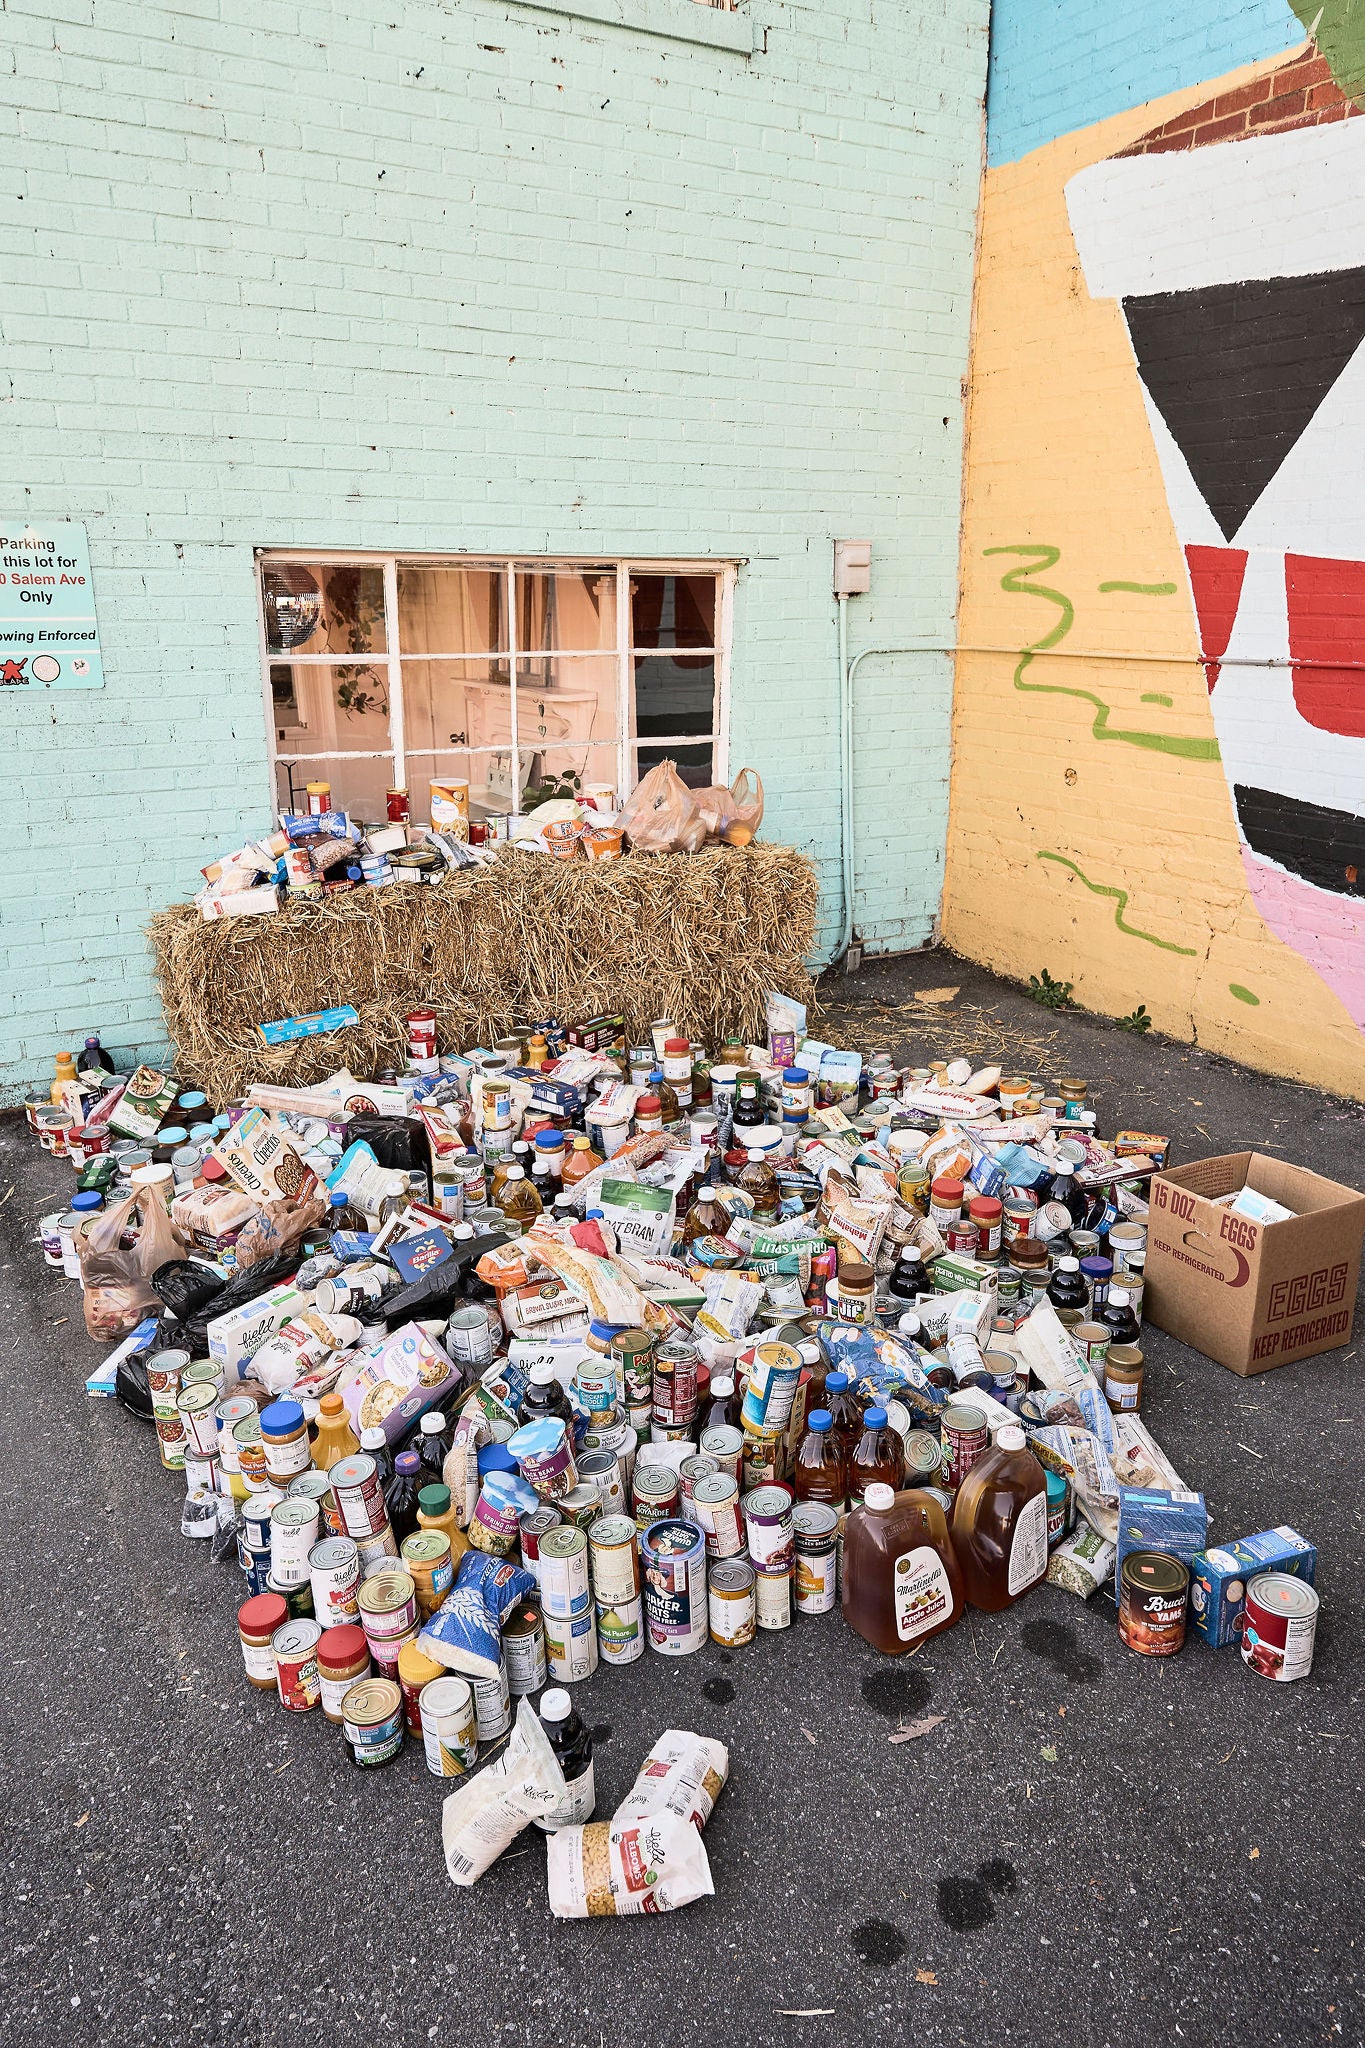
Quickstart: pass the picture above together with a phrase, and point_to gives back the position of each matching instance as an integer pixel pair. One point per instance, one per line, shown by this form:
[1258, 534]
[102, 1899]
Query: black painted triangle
[1238, 370]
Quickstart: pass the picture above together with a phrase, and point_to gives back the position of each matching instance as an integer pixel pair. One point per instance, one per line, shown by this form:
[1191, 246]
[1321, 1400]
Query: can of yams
[1153, 1598]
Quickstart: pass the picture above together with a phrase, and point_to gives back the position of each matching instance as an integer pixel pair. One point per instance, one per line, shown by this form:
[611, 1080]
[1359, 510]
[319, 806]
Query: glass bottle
[759, 1182]
[546, 1183]
[707, 1216]
[400, 1495]
[572, 1744]
[1064, 1190]
[579, 1161]
[435, 1434]
[1118, 1317]
[748, 1109]
[878, 1458]
[1066, 1289]
[335, 1438]
[545, 1396]
[94, 1056]
[847, 1415]
[1000, 1524]
[376, 1445]
[670, 1109]
[820, 1472]
[908, 1279]
[723, 1409]
[902, 1583]
[517, 1198]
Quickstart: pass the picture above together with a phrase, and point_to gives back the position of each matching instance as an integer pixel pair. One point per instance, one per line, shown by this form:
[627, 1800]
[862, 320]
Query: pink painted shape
[1216, 579]
[1327, 930]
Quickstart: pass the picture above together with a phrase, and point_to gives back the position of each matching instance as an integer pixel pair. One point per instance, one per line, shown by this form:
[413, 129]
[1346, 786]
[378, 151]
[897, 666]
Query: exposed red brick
[1221, 131]
[1282, 109]
[1311, 70]
[1245, 96]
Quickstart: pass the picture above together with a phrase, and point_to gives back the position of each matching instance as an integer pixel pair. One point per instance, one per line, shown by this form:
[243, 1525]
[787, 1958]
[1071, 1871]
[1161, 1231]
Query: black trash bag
[186, 1285]
[397, 1142]
[439, 1292]
[193, 1335]
[130, 1385]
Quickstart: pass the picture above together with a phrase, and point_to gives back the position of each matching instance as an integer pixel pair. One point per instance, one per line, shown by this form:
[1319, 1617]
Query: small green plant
[1136, 1020]
[551, 788]
[1053, 995]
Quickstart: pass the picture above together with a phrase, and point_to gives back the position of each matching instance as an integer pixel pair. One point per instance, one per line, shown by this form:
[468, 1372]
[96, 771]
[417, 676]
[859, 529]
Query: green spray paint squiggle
[1014, 584]
[1120, 898]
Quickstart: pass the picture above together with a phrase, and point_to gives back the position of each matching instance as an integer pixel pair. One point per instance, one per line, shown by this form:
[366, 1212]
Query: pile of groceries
[538, 1355]
[325, 852]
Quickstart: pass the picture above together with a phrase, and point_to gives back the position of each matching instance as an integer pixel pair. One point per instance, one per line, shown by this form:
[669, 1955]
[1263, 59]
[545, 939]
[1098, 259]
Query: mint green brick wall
[468, 276]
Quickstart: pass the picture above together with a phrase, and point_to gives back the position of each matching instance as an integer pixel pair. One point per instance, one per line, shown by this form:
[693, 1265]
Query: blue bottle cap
[836, 1382]
[281, 1418]
[337, 1199]
[548, 1141]
[820, 1418]
[494, 1458]
[873, 1418]
[87, 1201]
[605, 1331]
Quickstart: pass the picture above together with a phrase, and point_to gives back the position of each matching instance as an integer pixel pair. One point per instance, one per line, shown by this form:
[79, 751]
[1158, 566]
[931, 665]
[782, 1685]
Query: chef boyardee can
[655, 1493]
[675, 1587]
[523, 1647]
[614, 1557]
[372, 1721]
[564, 1587]
[731, 1602]
[816, 1530]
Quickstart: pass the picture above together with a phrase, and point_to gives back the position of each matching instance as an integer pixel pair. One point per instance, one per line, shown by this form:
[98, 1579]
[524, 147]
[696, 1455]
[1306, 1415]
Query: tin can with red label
[421, 1034]
[1279, 1623]
[359, 1496]
[966, 1438]
[399, 807]
[296, 1664]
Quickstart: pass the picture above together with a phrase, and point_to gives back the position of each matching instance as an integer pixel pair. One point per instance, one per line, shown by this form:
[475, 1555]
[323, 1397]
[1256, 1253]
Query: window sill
[680, 21]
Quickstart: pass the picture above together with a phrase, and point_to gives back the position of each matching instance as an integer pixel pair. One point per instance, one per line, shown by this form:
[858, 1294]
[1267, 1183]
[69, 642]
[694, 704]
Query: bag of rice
[683, 1774]
[486, 1813]
[610, 1869]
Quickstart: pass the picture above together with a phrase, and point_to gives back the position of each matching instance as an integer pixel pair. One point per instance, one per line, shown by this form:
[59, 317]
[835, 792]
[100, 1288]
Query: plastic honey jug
[902, 1581]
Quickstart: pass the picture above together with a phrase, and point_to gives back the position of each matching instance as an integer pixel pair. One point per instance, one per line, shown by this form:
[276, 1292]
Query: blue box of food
[1218, 1579]
[1176, 1523]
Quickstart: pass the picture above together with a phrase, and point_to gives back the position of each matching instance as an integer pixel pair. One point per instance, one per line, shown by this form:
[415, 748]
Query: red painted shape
[1216, 579]
[1326, 625]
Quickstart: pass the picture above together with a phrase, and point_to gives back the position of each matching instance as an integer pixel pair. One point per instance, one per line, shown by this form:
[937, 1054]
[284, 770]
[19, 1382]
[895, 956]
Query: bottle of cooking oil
[902, 1581]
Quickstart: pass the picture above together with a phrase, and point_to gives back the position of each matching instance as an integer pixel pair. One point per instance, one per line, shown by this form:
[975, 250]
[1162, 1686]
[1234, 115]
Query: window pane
[318, 608]
[445, 610]
[573, 609]
[332, 710]
[455, 704]
[568, 771]
[562, 696]
[357, 786]
[673, 696]
[673, 611]
[693, 763]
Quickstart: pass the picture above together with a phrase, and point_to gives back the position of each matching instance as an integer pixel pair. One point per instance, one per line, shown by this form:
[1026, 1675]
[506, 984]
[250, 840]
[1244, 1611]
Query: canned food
[450, 1727]
[732, 1602]
[388, 1606]
[815, 1530]
[1153, 1597]
[523, 1647]
[768, 1527]
[716, 1512]
[469, 1337]
[632, 1352]
[293, 1534]
[655, 1494]
[315, 1486]
[492, 1703]
[675, 1596]
[615, 1560]
[621, 1631]
[774, 1372]
[533, 1528]
[966, 1438]
[425, 1555]
[689, 1472]
[1279, 1624]
[675, 1383]
[602, 1471]
[296, 1664]
[297, 1595]
[725, 1445]
[570, 1647]
[923, 1458]
[564, 1586]
[359, 1495]
[372, 1721]
[773, 1602]
[197, 1408]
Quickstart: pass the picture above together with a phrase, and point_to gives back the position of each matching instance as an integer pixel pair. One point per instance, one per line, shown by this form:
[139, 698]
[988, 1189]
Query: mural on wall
[1160, 792]
[1233, 239]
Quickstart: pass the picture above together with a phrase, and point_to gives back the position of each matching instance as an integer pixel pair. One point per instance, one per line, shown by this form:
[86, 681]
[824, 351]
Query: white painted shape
[1315, 502]
[1279, 206]
[1194, 522]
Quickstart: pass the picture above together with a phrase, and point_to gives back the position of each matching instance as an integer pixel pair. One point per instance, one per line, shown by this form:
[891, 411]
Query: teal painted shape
[1057, 65]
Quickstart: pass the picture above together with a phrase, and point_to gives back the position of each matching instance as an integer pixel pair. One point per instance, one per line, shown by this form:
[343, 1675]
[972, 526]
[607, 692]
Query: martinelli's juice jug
[1000, 1524]
[902, 1582]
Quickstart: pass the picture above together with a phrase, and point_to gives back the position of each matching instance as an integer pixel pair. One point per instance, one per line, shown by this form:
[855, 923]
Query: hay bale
[695, 937]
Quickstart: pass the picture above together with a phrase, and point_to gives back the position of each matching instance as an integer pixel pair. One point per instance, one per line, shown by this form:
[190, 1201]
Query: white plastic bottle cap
[543, 1376]
[555, 1705]
[1066, 1166]
[433, 1424]
[515, 1173]
[1068, 1265]
[1011, 1438]
[880, 1497]
[1120, 1295]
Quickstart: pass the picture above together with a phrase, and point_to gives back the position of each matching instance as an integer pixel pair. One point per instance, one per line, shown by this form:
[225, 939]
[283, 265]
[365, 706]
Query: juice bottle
[902, 1581]
[848, 1416]
[572, 1745]
[544, 1396]
[759, 1182]
[1066, 1288]
[580, 1161]
[707, 1217]
[820, 1472]
[65, 1071]
[435, 1510]
[1000, 1524]
[400, 1495]
[335, 1439]
[878, 1458]
[1117, 1316]
[433, 1439]
[94, 1057]
[517, 1198]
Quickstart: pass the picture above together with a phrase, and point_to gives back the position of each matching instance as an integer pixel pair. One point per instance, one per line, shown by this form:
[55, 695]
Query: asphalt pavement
[1088, 1846]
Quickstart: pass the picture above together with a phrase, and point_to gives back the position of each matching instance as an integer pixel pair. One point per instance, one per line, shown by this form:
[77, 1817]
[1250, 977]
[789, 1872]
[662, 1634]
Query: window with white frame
[394, 671]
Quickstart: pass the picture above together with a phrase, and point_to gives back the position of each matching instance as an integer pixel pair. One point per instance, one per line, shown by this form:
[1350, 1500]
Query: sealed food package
[486, 1813]
[1082, 1562]
[684, 1774]
[612, 1869]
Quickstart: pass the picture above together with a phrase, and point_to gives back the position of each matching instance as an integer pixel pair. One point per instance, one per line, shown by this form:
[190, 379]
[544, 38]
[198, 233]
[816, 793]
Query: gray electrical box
[852, 567]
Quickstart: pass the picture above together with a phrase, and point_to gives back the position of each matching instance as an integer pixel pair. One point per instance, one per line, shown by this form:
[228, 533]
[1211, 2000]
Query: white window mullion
[720, 759]
[395, 674]
[512, 683]
[624, 778]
